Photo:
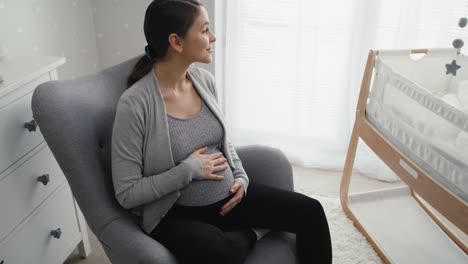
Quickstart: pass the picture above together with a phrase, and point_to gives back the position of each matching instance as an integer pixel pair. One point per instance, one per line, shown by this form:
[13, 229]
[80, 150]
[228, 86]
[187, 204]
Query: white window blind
[293, 67]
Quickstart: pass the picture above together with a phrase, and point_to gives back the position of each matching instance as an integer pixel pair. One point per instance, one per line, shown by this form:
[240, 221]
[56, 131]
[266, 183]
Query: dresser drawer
[15, 139]
[34, 243]
[21, 192]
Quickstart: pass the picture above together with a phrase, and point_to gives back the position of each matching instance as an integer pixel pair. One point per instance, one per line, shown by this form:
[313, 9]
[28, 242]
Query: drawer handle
[31, 125]
[56, 233]
[44, 179]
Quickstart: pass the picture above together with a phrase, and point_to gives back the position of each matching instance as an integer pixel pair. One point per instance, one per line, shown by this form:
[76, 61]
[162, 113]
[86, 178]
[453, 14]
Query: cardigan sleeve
[131, 187]
[239, 172]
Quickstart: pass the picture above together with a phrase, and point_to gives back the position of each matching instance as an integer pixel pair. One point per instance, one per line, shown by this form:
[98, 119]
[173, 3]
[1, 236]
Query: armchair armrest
[125, 242]
[266, 165]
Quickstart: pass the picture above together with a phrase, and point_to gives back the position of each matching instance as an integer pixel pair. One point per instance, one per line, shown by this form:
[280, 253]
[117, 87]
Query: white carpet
[349, 245]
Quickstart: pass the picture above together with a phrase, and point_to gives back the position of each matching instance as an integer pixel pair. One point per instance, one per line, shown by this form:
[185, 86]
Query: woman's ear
[176, 42]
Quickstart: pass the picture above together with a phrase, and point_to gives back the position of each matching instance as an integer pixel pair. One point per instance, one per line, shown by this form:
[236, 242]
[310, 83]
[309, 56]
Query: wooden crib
[421, 222]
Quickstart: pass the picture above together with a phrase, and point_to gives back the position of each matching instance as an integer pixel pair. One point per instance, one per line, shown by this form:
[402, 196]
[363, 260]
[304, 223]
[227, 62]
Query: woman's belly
[204, 192]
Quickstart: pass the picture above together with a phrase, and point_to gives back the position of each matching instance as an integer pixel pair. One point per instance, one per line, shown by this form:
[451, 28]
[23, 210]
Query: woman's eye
[206, 30]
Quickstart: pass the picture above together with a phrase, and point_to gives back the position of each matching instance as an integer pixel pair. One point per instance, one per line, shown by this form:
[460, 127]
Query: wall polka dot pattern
[91, 34]
[51, 27]
[119, 29]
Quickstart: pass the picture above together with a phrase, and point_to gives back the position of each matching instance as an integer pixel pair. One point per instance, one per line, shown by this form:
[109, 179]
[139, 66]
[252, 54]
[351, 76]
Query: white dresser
[40, 222]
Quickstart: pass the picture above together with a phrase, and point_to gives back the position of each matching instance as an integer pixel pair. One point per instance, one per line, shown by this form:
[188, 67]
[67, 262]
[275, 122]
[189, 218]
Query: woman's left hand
[238, 190]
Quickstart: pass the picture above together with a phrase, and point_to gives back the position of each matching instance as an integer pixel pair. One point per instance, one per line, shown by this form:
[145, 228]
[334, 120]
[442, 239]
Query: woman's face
[198, 43]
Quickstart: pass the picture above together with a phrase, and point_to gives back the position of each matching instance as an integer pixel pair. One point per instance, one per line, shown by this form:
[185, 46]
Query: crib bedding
[425, 119]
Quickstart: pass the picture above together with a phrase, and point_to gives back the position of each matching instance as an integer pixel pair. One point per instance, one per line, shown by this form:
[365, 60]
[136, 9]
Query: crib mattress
[429, 130]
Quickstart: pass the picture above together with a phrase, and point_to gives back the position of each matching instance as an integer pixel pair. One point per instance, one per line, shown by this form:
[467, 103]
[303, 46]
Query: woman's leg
[272, 208]
[195, 241]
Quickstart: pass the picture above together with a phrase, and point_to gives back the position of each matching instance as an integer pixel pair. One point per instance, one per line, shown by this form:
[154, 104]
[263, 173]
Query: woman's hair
[162, 18]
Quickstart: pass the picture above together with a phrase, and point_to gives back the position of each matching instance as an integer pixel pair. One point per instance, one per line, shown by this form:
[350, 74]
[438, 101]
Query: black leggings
[202, 235]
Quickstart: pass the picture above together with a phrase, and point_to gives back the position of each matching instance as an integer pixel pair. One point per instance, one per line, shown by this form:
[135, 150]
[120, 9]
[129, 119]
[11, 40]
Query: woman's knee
[313, 209]
[316, 205]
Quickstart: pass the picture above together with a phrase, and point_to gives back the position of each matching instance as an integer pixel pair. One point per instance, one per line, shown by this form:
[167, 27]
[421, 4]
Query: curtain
[293, 68]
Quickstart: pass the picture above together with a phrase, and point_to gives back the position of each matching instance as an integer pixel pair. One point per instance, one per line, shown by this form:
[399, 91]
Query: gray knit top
[144, 174]
[187, 134]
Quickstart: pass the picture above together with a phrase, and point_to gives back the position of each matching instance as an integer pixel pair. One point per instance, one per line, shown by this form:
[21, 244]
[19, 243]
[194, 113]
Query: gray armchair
[76, 119]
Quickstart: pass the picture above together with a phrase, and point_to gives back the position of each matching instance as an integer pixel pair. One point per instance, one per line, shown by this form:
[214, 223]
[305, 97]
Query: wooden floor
[324, 182]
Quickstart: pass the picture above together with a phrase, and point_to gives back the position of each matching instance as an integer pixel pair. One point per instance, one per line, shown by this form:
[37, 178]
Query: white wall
[91, 34]
[51, 27]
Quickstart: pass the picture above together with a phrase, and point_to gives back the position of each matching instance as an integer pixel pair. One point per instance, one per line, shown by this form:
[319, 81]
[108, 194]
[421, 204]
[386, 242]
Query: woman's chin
[206, 60]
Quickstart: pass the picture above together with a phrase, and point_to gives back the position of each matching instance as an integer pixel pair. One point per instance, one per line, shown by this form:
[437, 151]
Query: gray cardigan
[144, 174]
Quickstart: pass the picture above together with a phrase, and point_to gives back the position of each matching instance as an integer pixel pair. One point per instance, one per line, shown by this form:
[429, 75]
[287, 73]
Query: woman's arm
[239, 173]
[131, 188]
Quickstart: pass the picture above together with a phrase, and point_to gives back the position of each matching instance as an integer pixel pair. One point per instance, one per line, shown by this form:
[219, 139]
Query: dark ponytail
[162, 18]
[141, 68]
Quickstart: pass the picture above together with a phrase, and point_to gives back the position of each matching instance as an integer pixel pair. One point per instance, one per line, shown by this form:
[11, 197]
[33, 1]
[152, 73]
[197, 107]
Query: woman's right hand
[211, 163]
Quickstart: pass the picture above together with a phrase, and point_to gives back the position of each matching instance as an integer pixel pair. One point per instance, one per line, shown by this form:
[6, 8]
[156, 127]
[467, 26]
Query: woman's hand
[210, 164]
[238, 190]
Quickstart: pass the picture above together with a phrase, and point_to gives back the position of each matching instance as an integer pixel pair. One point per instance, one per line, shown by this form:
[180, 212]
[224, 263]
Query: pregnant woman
[173, 165]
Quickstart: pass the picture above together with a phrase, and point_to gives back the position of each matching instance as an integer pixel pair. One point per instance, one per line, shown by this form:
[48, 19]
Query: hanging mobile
[458, 44]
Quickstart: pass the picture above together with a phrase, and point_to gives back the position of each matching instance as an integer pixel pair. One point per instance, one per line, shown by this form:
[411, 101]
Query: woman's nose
[213, 38]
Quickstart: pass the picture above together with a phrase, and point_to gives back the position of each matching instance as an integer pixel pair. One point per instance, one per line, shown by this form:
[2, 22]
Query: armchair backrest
[76, 119]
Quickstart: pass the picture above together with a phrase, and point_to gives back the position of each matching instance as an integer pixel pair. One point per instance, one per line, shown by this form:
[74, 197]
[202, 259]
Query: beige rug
[349, 245]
